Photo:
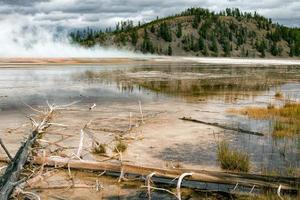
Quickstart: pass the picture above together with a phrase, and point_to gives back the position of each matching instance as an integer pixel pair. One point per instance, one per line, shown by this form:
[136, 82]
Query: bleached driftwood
[10, 179]
[30, 195]
[93, 106]
[179, 184]
[148, 183]
[33, 181]
[80, 146]
[278, 192]
[62, 186]
[167, 176]
[246, 180]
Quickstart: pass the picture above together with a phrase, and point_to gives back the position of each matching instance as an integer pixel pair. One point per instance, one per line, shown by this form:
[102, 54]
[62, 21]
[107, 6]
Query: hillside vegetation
[199, 32]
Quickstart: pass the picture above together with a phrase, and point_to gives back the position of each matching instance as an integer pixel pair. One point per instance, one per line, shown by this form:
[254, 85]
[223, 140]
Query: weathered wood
[62, 186]
[217, 181]
[244, 180]
[5, 149]
[12, 174]
[10, 178]
[238, 129]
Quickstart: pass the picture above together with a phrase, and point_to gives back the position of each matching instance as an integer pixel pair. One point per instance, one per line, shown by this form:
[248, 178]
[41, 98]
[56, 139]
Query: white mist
[22, 37]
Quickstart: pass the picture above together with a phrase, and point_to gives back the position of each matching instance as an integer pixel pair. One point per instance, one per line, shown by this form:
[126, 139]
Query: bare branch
[181, 177]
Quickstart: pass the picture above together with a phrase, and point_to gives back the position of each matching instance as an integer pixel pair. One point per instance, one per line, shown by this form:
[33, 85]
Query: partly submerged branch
[238, 129]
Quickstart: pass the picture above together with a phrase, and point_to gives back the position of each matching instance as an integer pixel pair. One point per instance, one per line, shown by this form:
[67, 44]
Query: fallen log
[53, 187]
[11, 177]
[238, 129]
[9, 180]
[197, 179]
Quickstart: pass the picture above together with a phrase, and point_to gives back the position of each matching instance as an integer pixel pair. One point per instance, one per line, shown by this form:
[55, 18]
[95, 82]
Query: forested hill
[199, 32]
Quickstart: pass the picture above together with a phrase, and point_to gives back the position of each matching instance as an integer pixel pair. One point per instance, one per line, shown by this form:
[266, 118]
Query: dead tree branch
[238, 129]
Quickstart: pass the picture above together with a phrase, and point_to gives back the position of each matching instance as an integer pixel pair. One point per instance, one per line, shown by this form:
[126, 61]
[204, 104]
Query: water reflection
[219, 87]
[229, 82]
[234, 86]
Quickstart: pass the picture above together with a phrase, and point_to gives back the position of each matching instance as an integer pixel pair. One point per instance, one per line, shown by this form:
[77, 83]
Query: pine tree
[123, 38]
[297, 47]
[146, 35]
[170, 51]
[165, 32]
[214, 46]
[261, 47]
[280, 50]
[263, 53]
[227, 48]
[217, 34]
[196, 22]
[147, 45]
[134, 37]
[179, 30]
[192, 45]
[292, 51]
[201, 44]
[152, 29]
[243, 52]
[205, 50]
[274, 49]
[118, 27]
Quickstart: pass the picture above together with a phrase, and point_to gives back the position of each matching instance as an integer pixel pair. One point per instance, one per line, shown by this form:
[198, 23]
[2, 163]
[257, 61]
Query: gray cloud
[21, 2]
[101, 13]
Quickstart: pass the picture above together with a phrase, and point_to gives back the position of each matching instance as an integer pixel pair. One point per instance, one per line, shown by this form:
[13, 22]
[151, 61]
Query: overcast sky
[102, 13]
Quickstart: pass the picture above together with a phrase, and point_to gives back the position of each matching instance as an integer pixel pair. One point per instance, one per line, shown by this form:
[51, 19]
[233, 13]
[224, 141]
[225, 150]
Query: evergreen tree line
[215, 36]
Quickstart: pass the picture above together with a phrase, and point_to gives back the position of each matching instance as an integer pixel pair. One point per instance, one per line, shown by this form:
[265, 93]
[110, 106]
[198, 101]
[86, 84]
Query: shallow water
[58, 85]
[221, 88]
[200, 88]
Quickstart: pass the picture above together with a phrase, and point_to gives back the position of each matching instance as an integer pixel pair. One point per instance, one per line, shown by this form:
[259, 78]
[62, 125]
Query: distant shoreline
[146, 60]
[62, 61]
[236, 61]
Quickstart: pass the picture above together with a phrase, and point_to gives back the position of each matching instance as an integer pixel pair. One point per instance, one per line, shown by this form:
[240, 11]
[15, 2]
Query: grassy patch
[282, 129]
[100, 149]
[90, 75]
[278, 95]
[286, 119]
[231, 159]
[266, 196]
[288, 171]
[120, 146]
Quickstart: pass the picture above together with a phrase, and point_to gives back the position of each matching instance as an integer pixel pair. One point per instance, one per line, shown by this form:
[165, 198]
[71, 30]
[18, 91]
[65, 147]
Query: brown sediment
[149, 59]
[65, 61]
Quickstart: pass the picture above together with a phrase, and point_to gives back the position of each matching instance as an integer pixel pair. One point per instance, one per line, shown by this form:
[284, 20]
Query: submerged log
[197, 179]
[238, 129]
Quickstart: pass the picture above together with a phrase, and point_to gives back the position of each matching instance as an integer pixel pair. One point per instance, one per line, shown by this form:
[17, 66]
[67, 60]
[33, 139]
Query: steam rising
[30, 39]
